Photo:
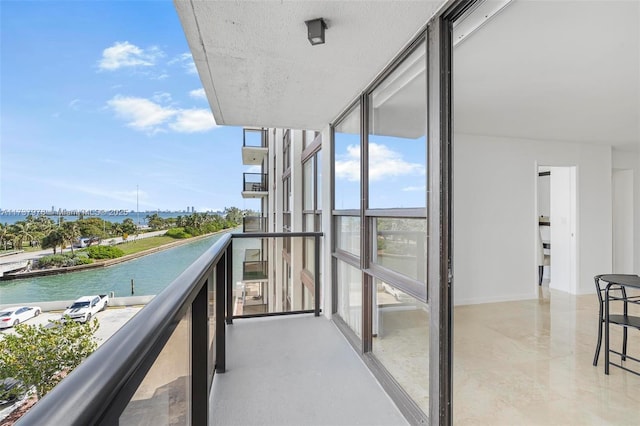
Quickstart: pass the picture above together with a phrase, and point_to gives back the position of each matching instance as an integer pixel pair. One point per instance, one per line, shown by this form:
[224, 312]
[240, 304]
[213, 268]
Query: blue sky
[99, 98]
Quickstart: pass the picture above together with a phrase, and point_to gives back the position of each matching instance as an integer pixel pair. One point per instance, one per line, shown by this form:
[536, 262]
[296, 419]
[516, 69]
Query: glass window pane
[397, 141]
[400, 245]
[401, 340]
[350, 296]
[347, 162]
[348, 234]
[319, 180]
[307, 178]
[164, 395]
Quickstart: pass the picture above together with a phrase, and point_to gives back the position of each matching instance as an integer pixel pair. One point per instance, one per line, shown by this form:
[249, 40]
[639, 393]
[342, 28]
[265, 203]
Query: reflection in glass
[348, 234]
[397, 141]
[319, 180]
[164, 396]
[400, 245]
[307, 178]
[350, 296]
[347, 162]
[401, 340]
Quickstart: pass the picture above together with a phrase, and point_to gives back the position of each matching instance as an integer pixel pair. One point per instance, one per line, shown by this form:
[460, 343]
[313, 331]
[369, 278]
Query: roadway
[110, 321]
[24, 256]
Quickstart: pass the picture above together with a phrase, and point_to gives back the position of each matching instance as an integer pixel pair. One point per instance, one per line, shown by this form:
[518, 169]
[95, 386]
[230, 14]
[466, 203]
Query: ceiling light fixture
[315, 31]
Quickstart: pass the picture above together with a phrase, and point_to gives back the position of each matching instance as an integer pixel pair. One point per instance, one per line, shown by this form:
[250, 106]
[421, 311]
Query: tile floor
[530, 363]
[517, 363]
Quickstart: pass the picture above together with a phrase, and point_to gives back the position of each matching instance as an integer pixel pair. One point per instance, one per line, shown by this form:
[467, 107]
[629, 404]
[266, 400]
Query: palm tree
[70, 233]
[54, 239]
[5, 235]
[21, 230]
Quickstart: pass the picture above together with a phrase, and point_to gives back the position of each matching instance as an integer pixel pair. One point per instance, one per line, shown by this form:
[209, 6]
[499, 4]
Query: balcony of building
[254, 146]
[166, 365]
[254, 224]
[254, 185]
[255, 265]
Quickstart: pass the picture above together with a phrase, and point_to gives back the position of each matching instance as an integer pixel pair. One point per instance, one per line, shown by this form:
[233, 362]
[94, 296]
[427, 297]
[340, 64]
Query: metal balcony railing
[160, 365]
[254, 138]
[254, 182]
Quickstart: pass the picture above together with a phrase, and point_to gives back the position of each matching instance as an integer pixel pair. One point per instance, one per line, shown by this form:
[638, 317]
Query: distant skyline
[98, 99]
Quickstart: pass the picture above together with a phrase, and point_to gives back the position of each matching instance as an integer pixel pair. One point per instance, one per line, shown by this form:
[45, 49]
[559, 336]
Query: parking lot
[110, 320]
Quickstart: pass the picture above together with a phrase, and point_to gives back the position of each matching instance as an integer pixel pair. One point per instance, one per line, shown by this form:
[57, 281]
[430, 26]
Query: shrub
[42, 355]
[178, 233]
[104, 252]
[63, 260]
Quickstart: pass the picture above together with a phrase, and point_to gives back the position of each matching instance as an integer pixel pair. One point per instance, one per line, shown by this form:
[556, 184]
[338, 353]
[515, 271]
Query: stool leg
[540, 273]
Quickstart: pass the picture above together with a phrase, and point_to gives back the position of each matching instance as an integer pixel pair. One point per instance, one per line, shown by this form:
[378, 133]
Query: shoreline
[106, 262]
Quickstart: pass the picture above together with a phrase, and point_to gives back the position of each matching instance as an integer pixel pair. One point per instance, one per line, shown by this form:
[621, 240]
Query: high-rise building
[439, 147]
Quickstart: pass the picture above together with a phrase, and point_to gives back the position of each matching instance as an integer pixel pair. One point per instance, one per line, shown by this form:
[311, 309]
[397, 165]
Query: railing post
[199, 358]
[229, 282]
[221, 272]
[316, 274]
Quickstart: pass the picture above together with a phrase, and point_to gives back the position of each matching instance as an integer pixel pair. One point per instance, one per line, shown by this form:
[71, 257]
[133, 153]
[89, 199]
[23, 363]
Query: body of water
[114, 216]
[151, 274]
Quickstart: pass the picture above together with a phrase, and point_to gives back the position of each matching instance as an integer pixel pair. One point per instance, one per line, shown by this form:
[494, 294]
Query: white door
[563, 229]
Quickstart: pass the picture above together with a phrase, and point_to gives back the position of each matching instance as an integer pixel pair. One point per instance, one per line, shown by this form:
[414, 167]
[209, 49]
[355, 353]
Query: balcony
[254, 146]
[254, 224]
[165, 365]
[254, 185]
[255, 265]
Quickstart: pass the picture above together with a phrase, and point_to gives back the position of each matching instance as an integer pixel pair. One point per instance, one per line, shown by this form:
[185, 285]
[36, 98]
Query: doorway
[557, 227]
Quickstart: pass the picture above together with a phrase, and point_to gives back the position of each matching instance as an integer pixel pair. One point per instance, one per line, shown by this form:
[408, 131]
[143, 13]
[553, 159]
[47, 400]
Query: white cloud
[140, 113]
[414, 188]
[152, 117]
[193, 120]
[348, 165]
[198, 94]
[162, 97]
[125, 54]
[383, 163]
[185, 60]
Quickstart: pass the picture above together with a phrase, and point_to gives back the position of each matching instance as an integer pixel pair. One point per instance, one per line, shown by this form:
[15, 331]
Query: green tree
[41, 356]
[5, 235]
[21, 231]
[93, 227]
[129, 227]
[70, 233]
[54, 239]
[155, 222]
[233, 215]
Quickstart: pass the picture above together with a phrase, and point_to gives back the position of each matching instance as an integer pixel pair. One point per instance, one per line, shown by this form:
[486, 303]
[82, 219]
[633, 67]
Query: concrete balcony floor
[296, 370]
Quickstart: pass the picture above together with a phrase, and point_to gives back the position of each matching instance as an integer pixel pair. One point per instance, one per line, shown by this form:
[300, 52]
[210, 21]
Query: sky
[101, 107]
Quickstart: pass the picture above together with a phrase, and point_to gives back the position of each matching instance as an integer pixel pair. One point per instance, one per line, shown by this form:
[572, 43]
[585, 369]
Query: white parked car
[17, 314]
[85, 307]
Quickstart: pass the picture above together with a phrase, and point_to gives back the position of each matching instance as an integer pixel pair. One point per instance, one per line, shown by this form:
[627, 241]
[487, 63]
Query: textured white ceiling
[561, 70]
[259, 69]
[551, 70]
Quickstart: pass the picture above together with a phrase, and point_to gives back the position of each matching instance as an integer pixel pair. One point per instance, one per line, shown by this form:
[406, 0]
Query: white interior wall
[494, 214]
[631, 161]
[623, 217]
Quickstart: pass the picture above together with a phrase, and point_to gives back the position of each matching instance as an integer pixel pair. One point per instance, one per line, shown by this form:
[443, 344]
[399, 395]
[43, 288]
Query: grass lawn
[142, 244]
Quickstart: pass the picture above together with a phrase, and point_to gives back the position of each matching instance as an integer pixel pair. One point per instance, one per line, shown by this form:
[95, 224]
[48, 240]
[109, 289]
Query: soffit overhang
[258, 68]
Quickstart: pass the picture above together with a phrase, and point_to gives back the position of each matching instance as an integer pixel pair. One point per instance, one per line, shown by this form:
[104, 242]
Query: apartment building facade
[429, 141]
[435, 121]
